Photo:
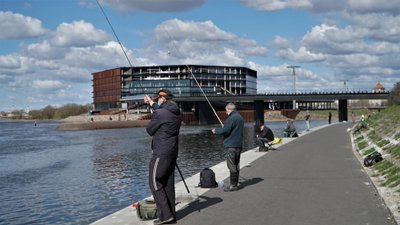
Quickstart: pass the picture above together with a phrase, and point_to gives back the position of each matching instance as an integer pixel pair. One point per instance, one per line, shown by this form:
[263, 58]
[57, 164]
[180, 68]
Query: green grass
[381, 127]
[362, 145]
[369, 151]
[383, 142]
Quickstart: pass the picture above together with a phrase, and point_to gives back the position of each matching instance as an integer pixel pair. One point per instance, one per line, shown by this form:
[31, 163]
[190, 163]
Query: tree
[70, 110]
[394, 95]
[48, 112]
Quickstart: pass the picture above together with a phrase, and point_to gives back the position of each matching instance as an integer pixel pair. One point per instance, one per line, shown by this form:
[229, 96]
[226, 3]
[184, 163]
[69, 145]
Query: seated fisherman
[266, 135]
[361, 124]
[290, 130]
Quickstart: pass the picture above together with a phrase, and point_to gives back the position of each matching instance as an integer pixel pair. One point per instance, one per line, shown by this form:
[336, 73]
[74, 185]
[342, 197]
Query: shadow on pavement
[248, 182]
[201, 203]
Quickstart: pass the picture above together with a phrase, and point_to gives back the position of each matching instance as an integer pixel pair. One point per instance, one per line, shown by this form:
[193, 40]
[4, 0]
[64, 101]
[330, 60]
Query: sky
[49, 49]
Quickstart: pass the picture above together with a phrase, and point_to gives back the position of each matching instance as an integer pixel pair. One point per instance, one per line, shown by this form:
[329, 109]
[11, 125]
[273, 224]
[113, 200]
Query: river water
[78, 177]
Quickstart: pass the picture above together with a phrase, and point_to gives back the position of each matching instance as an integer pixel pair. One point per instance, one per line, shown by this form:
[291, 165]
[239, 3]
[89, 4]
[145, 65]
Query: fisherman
[307, 118]
[164, 128]
[290, 130]
[266, 135]
[232, 130]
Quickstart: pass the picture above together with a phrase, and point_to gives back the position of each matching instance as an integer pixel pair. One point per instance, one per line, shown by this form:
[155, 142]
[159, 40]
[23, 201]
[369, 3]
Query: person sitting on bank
[290, 130]
[361, 124]
[266, 135]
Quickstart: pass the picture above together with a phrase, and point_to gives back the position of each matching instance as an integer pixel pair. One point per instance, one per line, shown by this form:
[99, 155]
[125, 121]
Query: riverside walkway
[313, 180]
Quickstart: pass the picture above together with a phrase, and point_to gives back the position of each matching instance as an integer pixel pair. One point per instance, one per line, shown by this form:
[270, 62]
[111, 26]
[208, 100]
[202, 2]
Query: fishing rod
[115, 34]
[205, 96]
[120, 44]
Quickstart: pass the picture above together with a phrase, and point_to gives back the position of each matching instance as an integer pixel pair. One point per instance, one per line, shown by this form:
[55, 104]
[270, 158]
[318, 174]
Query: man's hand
[213, 131]
[148, 100]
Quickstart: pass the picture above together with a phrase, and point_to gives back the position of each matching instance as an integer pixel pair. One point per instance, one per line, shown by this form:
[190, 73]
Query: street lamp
[294, 82]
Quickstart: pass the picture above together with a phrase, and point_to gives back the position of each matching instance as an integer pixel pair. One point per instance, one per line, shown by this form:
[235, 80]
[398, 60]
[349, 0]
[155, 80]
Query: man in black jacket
[164, 128]
[233, 141]
[266, 135]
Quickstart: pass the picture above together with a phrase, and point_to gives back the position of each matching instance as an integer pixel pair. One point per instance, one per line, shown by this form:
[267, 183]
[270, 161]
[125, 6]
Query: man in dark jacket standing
[164, 127]
[233, 141]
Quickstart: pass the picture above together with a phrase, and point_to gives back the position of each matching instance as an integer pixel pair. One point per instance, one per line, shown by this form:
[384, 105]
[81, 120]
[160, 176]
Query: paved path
[314, 180]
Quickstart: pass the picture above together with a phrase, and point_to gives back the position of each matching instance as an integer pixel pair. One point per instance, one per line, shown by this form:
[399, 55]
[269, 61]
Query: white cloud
[17, 26]
[281, 42]
[9, 62]
[153, 5]
[301, 55]
[273, 5]
[47, 85]
[368, 6]
[199, 31]
[78, 34]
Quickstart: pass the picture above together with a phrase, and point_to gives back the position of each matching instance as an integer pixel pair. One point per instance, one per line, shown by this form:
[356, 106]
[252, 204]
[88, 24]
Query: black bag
[207, 179]
[372, 158]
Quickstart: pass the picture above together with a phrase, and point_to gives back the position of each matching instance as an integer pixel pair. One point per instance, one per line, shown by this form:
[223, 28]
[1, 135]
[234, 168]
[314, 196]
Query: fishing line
[115, 34]
[194, 78]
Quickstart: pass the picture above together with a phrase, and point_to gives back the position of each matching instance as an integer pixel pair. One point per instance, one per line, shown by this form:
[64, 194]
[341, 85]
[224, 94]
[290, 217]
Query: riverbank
[313, 179]
[382, 135]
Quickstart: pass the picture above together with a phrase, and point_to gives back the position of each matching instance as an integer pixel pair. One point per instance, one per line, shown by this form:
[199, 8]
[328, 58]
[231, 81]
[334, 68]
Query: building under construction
[124, 86]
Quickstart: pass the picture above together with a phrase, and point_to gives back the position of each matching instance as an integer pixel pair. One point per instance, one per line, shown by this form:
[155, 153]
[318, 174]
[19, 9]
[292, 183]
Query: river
[78, 177]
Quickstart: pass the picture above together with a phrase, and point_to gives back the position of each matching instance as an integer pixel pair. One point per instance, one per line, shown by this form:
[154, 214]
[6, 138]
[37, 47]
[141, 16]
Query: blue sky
[48, 49]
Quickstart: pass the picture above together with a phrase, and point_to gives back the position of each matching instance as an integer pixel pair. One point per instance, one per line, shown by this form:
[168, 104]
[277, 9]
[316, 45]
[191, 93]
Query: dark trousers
[162, 185]
[233, 160]
[261, 141]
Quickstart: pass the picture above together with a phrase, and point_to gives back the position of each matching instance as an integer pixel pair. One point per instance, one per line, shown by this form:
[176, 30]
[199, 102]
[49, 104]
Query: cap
[165, 93]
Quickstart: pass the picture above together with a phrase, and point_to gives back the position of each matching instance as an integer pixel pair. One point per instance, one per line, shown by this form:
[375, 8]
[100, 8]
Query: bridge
[258, 101]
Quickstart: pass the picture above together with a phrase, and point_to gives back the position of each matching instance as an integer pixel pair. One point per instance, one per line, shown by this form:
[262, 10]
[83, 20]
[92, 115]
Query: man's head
[163, 95]
[230, 107]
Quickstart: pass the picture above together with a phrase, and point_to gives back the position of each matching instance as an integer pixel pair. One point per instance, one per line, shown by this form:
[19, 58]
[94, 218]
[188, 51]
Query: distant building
[372, 103]
[121, 87]
[378, 88]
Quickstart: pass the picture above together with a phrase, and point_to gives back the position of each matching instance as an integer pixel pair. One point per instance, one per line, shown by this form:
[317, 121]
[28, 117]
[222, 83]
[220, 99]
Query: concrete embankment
[313, 179]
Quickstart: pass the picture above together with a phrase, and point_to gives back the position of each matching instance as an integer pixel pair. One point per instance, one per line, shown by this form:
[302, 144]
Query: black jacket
[266, 133]
[164, 127]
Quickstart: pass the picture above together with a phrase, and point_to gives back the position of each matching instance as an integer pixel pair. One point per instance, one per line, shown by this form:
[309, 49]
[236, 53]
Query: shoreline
[95, 125]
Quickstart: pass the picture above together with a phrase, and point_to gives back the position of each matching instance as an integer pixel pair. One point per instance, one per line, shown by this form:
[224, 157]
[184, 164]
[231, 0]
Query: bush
[394, 96]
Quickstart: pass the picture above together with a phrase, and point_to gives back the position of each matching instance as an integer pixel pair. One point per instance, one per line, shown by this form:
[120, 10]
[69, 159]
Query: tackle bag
[372, 158]
[146, 210]
[207, 179]
[277, 141]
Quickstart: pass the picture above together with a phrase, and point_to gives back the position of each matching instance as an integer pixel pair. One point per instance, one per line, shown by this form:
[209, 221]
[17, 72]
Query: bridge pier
[259, 112]
[342, 110]
[205, 114]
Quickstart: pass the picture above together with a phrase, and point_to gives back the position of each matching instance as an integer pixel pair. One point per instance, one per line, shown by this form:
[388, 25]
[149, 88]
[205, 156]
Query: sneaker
[169, 220]
[231, 188]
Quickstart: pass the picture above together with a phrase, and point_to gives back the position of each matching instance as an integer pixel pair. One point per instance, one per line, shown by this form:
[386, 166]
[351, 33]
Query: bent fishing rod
[126, 56]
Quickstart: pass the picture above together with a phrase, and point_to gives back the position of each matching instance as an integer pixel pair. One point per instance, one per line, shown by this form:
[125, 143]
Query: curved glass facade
[181, 81]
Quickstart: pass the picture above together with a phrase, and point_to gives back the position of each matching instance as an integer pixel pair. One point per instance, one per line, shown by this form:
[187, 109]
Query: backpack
[146, 210]
[207, 179]
[372, 158]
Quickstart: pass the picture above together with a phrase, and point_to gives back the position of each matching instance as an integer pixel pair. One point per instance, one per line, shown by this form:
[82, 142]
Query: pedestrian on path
[353, 117]
[330, 117]
[164, 128]
[232, 130]
[307, 118]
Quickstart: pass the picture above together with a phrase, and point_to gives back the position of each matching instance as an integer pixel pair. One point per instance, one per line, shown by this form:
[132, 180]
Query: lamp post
[345, 85]
[294, 82]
